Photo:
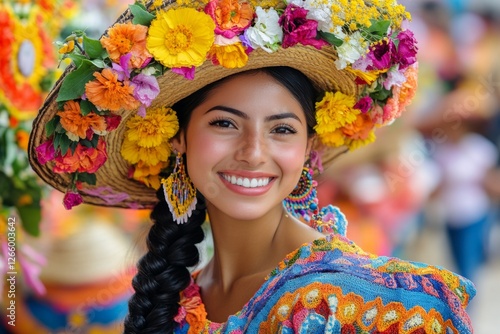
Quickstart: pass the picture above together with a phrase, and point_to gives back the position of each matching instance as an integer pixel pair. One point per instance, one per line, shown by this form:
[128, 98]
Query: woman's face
[246, 145]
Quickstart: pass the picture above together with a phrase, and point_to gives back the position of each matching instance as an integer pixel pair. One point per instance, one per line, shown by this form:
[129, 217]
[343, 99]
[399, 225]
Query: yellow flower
[67, 47]
[181, 37]
[149, 174]
[334, 111]
[155, 129]
[229, 56]
[333, 139]
[149, 156]
[368, 77]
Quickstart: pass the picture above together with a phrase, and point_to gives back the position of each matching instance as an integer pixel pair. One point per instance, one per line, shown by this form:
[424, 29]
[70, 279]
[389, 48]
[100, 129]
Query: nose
[252, 149]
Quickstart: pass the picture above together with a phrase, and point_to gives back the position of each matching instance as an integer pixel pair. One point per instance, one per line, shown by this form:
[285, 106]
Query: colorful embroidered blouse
[332, 286]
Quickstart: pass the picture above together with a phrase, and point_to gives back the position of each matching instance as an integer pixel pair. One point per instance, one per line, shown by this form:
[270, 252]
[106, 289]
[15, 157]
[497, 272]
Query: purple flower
[382, 54]
[187, 72]
[45, 152]
[364, 104]
[71, 199]
[123, 70]
[407, 49]
[146, 88]
[298, 29]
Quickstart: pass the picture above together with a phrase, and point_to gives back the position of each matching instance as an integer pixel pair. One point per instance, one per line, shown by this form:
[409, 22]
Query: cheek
[291, 161]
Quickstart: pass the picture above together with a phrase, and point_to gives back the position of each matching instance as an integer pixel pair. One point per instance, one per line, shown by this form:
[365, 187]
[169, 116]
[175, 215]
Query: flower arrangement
[119, 73]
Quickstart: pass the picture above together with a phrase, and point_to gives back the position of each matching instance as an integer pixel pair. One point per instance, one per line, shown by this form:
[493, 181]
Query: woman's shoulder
[333, 282]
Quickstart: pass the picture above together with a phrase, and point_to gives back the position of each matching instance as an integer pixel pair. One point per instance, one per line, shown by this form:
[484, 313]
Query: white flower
[266, 33]
[319, 11]
[394, 77]
[351, 50]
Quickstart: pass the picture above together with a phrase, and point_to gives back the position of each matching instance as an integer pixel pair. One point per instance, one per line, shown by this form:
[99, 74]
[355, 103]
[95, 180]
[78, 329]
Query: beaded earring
[302, 202]
[180, 193]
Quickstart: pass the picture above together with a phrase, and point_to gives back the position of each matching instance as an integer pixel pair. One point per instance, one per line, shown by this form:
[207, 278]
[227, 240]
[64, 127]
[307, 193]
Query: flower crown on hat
[119, 73]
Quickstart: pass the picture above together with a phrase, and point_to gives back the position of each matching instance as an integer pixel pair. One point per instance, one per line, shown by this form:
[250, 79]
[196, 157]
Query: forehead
[253, 91]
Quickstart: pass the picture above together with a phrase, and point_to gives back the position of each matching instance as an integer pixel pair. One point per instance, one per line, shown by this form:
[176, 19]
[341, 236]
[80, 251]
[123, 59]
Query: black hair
[163, 271]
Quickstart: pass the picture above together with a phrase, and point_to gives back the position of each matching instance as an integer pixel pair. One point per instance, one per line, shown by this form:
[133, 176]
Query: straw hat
[371, 65]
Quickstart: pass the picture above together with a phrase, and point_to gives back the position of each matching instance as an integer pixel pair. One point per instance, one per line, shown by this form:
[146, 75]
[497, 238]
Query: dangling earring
[180, 193]
[302, 202]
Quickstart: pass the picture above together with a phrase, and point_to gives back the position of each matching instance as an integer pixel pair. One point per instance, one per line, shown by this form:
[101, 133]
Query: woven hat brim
[318, 65]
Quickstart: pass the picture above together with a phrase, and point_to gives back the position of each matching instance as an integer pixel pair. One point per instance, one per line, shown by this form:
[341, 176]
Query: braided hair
[163, 271]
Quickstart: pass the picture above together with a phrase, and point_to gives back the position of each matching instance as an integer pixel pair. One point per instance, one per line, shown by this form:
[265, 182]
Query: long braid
[163, 271]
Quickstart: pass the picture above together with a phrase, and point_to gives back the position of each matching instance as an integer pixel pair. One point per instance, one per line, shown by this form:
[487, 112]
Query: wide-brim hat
[321, 62]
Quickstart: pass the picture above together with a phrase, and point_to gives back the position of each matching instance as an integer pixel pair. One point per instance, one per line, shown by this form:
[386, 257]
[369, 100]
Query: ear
[178, 142]
[311, 143]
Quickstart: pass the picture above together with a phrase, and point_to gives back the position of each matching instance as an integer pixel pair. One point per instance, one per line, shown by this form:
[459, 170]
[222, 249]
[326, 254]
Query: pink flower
[364, 104]
[407, 49]
[31, 262]
[187, 72]
[298, 29]
[45, 152]
[381, 54]
[72, 199]
[146, 89]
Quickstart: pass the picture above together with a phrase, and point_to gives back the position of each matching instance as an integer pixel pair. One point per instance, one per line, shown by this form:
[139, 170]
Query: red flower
[83, 160]
[72, 199]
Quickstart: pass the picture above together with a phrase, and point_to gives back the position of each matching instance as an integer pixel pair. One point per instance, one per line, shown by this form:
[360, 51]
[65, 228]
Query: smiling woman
[228, 118]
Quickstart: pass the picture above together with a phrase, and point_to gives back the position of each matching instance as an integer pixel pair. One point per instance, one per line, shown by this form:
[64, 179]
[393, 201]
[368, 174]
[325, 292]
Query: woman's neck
[245, 249]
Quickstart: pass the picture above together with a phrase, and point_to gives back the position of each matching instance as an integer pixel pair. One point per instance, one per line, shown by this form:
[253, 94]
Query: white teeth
[246, 182]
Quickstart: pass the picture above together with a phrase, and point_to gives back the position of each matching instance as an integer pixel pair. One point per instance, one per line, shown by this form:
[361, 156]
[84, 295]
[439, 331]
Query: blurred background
[427, 190]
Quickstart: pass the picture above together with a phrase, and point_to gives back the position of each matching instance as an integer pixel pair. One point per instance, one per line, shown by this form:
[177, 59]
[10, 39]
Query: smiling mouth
[247, 182]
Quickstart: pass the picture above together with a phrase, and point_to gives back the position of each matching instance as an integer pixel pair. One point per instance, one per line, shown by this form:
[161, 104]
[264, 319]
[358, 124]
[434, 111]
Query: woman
[244, 97]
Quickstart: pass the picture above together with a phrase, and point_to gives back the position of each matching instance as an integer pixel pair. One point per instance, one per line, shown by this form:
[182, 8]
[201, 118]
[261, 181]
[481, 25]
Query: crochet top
[332, 286]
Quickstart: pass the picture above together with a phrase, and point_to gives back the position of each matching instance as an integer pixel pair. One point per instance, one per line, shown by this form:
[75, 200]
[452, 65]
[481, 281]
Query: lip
[256, 191]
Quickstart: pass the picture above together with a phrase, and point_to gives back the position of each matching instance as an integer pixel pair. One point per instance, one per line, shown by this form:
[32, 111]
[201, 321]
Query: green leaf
[77, 59]
[64, 144]
[141, 14]
[331, 38]
[379, 28]
[95, 140]
[381, 94]
[50, 127]
[86, 107]
[30, 218]
[87, 178]
[73, 86]
[99, 63]
[59, 128]
[93, 48]
[86, 143]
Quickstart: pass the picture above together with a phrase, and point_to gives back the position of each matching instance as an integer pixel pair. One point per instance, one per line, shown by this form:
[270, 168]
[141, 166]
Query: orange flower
[149, 174]
[73, 121]
[360, 128]
[108, 93]
[83, 160]
[127, 38]
[408, 89]
[231, 17]
[22, 138]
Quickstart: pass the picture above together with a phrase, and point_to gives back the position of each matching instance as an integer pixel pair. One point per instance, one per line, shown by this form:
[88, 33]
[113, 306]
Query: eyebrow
[243, 115]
